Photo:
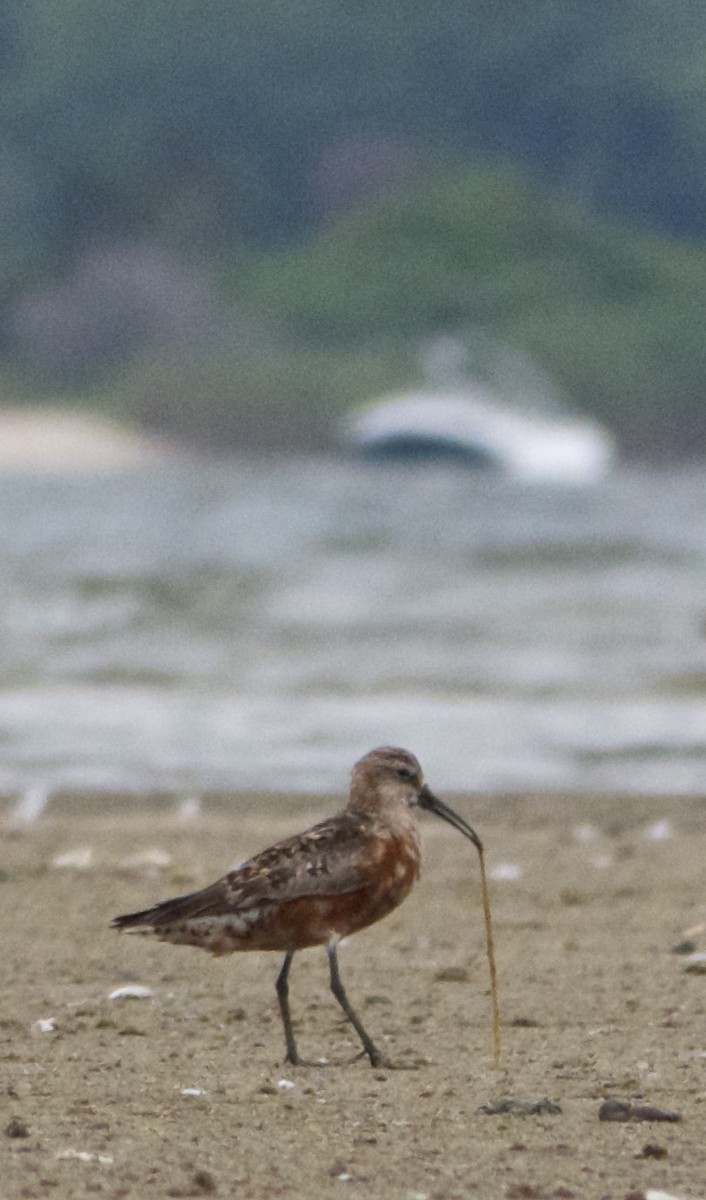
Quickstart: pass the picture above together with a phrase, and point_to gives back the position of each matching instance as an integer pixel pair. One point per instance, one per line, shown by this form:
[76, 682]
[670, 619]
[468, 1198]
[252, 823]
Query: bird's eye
[404, 773]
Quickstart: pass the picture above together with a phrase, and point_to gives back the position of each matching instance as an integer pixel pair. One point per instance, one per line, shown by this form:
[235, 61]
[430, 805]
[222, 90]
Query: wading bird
[316, 887]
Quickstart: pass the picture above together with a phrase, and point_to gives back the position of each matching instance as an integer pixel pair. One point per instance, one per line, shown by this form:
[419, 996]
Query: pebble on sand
[17, 1128]
[695, 964]
[622, 1110]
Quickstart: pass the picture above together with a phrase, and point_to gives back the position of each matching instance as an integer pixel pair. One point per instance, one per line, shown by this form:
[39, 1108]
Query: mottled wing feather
[324, 861]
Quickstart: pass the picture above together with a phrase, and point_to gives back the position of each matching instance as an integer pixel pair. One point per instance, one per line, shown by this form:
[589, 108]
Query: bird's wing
[323, 861]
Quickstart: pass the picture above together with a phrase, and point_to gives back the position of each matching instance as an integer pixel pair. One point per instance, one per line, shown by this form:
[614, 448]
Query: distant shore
[183, 1092]
[65, 441]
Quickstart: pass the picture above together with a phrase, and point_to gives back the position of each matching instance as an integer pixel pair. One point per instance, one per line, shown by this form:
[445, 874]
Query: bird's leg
[282, 986]
[376, 1058]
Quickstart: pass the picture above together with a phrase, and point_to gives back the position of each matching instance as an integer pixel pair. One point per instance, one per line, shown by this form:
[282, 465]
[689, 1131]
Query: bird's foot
[296, 1061]
[376, 1059]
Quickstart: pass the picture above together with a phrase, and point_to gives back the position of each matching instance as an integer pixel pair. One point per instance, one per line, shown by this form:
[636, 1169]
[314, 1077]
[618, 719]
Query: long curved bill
[432, 803]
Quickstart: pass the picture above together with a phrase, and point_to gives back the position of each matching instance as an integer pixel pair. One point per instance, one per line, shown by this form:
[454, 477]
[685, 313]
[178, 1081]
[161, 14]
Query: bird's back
[335, 878]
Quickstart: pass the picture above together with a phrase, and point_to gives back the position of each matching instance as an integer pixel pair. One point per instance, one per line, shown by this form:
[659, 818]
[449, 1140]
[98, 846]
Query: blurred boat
[473, 427]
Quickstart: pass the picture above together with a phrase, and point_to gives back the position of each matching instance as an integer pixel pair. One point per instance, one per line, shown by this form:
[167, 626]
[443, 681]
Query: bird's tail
[180, 908]
[134, 920]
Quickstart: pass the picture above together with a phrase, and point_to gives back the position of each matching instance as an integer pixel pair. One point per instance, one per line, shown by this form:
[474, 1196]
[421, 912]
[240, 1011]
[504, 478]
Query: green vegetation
[233, 220]
[284, 399]
[610, 313]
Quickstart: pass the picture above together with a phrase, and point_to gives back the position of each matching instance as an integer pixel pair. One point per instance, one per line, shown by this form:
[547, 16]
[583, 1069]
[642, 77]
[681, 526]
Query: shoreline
[610, 806]
[184, 1093]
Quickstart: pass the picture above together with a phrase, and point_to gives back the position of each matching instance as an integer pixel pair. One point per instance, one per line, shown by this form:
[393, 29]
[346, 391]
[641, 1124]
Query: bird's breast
[389, 867]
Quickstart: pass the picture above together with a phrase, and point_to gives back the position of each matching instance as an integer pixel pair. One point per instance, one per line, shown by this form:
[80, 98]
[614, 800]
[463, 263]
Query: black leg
[376, 1058]
[282, 986]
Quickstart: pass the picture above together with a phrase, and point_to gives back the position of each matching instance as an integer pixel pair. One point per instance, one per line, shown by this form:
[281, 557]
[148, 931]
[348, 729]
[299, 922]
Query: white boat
[473, 426]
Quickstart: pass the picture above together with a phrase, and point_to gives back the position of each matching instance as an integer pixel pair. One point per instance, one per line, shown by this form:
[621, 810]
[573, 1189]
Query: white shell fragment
[654, 1194]
[78, 859]
[44, 1025]
[189, 809]
[105, 1160]
[505, 871]
[285, 1084]
[660, 831]
[192, 1092]
[585, 833]
[131, 991]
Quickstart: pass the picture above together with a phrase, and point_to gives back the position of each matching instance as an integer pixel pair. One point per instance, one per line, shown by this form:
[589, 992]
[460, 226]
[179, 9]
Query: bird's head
[389, 775]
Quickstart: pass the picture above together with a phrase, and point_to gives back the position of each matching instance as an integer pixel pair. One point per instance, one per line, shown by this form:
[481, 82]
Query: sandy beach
[63, 441]
[182, 1092]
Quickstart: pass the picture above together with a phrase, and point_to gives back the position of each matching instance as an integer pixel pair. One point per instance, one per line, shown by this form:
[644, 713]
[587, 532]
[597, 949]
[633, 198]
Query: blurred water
[261, 624]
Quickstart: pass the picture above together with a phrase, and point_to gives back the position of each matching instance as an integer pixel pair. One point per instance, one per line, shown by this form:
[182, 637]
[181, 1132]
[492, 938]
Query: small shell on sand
[660, 831]
[78, 859]
[505, 872]
[86, 1156]
[585, 833]
[189, 809]
[655, 1194]
[44, 1025]
[131, 991]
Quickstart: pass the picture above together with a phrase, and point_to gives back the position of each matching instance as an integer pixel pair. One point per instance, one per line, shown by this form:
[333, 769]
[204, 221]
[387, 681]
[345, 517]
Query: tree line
[334, 170]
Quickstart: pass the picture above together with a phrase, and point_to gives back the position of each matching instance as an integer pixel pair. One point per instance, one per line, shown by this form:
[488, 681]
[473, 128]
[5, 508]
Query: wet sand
[183, 1093]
